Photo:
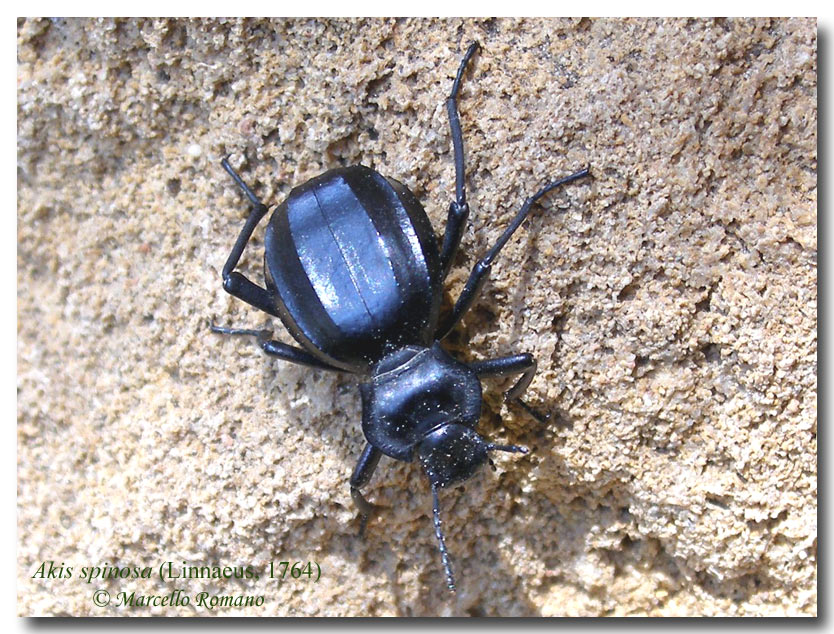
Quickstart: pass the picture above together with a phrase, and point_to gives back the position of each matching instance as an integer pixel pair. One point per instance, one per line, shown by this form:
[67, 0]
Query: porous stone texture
[670, 301]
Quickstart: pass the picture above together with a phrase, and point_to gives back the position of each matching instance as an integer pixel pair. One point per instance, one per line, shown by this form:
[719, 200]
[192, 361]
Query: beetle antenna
[510, 448]
[438, 531]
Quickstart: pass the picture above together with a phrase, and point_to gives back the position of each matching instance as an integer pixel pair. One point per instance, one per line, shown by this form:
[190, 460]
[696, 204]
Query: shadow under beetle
[354, 272]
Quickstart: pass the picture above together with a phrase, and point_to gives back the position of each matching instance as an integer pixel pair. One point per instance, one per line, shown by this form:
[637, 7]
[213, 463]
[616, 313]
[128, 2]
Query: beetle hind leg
[458, 209]
[235, 283]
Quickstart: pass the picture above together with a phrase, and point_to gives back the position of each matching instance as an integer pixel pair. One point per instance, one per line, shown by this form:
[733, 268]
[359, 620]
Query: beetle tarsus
[508, 448]
[365, 508]
[540, 416]
[225, 330]
[362, 474]
[277, 348]
[253, 198]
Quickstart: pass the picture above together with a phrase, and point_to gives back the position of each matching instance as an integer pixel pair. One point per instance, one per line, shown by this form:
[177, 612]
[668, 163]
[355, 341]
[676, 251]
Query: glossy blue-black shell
[415, 391]
[353, 264]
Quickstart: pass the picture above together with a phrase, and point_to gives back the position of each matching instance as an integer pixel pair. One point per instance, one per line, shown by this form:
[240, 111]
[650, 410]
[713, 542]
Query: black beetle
[353, 270]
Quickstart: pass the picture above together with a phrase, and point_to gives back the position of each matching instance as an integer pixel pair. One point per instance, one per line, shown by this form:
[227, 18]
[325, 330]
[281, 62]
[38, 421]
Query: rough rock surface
[670, 301]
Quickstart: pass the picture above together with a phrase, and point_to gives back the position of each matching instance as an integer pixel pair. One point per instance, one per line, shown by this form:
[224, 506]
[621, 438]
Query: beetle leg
[454, 124]
[459, 209]
[455, 224]
[235, 283]
[277, 348]
[506, 366]
[481, 270]
[362, 474]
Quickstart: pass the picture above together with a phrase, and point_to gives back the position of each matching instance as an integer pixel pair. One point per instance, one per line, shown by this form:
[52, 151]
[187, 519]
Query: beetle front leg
[235, 283]
[362, 474]
[459, 209]
[505, 366]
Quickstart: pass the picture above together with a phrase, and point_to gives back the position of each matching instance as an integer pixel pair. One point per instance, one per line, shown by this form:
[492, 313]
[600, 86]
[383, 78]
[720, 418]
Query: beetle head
[452, 453]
